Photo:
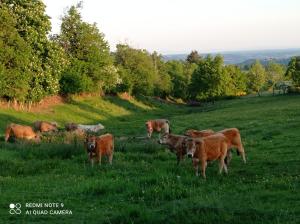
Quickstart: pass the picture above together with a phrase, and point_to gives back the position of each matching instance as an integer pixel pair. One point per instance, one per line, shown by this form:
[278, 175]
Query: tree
[136, 70]
[293, 70]
[234, 81]
[193, 57]
[91, 66]
[275, 74]
[47, 58]
[256, 77]
[15, 55]
[206, 82]
[162, 83]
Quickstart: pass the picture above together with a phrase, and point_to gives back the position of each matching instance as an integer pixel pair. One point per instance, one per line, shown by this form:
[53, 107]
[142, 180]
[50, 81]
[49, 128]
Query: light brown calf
[206, 149]
[175, 144]
[44, 126]
[159, 125]
[21, 132]
[99, 146]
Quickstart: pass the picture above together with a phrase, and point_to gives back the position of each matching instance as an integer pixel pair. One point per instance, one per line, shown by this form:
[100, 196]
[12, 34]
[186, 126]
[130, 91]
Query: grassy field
[144, 184]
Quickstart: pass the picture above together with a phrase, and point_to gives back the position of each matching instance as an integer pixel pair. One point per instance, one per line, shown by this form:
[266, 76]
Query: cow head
[149, 128]
[163, 139]
[37, 138]
[190, 145]
[90, 143]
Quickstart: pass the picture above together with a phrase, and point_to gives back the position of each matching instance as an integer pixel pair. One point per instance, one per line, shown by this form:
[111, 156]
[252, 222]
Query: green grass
[144, 184]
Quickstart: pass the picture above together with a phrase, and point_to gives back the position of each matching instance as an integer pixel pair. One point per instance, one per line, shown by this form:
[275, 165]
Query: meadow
[144, 184]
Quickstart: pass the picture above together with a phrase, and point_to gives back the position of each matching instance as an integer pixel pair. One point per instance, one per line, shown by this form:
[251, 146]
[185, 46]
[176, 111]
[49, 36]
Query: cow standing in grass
[159, 125]
[210, 148]
[97, 147]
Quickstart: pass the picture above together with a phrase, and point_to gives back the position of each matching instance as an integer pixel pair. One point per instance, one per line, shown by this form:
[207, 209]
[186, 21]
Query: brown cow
[21, 132]
[159, 125]
[233, 136]
[196, 134]
[206, 149]
[98, 146]
[44, 126]
[175, 144]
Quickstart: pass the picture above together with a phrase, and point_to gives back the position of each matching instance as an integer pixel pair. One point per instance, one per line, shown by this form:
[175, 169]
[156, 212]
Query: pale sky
[179, 26]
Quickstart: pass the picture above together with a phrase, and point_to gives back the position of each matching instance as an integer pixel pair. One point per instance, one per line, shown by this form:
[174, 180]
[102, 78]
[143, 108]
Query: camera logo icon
[15, 209]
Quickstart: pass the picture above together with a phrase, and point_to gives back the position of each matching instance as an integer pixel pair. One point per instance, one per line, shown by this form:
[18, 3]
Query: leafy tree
[193, 57]
[47, 61]
[206, 82]
[293, 70]
[234, 81]
[15, 56]
[275, 74]
[256, 77]
[162, 83]
[136, 70]
[91, 66]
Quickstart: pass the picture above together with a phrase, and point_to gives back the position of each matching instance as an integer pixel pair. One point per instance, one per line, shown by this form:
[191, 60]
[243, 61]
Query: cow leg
[99, 159]
[110, 158]
[203, 166]
[242, 151]
[179, 158]
[225, 168]
[196, 165]
[92, 162]
[221, 165]
[228, 157]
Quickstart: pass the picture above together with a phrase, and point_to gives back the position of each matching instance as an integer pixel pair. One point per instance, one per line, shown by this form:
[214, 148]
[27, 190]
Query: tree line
[34, 64]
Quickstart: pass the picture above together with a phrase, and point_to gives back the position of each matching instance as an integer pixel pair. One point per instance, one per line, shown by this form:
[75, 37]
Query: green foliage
[275, 75]
[90, 61]
[31, 26]
[180, 73]
[162, 84]
[256, 77]
[15, 56]
[293, 70]
[234, 81]
[206, 81]
[137, 70]
[193, 57]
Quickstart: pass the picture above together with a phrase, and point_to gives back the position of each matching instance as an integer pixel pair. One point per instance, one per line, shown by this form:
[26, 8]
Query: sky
[180, 26]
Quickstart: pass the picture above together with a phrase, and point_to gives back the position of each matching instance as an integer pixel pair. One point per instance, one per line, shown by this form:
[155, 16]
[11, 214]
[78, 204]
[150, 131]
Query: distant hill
[247, 57]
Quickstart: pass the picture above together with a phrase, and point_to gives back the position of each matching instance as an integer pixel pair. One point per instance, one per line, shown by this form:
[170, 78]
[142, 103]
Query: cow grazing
[90, 128]
[44, 126]
[21, 132]
[175, 144]
[233, 136]
[210, 148]
[159, 125]
[100, 146]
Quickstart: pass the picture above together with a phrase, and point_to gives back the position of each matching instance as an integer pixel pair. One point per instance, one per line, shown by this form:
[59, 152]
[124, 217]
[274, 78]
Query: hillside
[144, 184]
[244, 57]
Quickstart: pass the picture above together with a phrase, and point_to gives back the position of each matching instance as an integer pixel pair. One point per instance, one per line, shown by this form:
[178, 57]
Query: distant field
[144, 184]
